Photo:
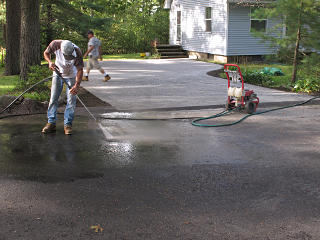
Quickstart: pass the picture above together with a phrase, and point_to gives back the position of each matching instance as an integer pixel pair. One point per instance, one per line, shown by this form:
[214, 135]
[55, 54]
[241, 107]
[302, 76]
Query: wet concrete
[162, 179]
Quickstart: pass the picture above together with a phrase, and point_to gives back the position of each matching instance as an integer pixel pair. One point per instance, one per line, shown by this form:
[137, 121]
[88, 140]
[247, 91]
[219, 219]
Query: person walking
[94, 53]
[69, 62]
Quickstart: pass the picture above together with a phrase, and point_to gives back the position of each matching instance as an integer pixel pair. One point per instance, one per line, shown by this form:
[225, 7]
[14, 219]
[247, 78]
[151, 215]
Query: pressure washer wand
[69, 87]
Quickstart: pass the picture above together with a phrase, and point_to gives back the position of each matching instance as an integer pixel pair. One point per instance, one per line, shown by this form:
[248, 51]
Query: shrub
[257, 78]
[309, 75]
[35, 74]
[40, 92]
[308, 85]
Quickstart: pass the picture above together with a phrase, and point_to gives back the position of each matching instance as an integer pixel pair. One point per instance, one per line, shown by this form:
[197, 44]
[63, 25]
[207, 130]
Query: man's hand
[52, 66]
[74, 90]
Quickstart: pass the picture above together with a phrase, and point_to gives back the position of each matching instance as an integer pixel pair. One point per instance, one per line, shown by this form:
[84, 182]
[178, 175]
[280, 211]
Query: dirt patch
[26, 106]
[91, 100]
[23, 106]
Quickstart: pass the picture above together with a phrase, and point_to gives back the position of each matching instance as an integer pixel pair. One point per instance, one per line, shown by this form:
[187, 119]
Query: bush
[308, 85]
[35, 74]
[309, 75]
[257, 78]
[40, 92]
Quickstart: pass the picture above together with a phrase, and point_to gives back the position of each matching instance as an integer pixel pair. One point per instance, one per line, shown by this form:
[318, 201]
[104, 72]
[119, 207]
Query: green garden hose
[195, 122]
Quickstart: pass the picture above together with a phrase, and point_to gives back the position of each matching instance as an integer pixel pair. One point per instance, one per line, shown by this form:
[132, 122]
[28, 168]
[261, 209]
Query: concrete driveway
[174, 83]
[163, 179]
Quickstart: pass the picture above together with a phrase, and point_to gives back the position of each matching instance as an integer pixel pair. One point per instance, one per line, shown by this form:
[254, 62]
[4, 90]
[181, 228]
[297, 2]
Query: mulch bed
[90, 100]
[216, 73]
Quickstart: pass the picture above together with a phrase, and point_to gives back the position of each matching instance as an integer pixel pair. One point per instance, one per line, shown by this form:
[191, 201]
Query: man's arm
[74, 90]
[88, 51]
[53, 46]
[47, 57]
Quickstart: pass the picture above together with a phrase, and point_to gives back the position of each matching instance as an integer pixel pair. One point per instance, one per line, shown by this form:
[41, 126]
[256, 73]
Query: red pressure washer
[238, 97]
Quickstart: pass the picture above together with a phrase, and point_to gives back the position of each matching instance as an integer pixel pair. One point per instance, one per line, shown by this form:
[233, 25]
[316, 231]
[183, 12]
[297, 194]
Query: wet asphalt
[162, 179]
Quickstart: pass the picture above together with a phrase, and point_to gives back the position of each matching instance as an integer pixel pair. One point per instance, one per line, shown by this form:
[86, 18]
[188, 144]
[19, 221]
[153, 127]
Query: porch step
[160, 46]
[163, 50]
[174, 56]
[171, 51]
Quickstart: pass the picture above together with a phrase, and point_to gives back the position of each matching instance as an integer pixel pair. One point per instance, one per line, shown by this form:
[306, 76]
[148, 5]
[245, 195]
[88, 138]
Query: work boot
[67, 130]
[49, 128]
[106, 78]
[85, 78]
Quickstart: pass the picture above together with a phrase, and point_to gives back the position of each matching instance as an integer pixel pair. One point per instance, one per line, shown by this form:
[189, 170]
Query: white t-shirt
[95, 42]
[68, 68]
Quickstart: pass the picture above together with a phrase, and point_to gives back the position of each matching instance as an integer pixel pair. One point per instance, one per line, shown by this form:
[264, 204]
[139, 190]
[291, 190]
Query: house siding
[194, 37]
[240, 40]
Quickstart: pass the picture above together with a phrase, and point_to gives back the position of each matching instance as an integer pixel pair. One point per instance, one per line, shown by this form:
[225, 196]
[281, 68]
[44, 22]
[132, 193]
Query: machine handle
[226, 68]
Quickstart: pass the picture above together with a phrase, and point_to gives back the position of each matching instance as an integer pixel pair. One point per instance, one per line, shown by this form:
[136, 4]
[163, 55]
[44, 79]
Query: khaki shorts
[93, 63]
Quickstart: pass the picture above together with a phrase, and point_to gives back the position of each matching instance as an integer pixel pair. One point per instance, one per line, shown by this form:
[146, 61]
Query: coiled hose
[196, 122]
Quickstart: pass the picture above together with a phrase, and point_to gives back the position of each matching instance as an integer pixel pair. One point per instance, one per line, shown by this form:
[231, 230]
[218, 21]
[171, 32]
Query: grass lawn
[7, 83]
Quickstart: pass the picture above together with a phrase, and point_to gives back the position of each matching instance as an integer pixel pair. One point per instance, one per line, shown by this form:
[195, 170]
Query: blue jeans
[56, 89]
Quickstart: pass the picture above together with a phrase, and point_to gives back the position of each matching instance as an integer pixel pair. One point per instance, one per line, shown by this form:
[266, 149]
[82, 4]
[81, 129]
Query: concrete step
[169, 50]
[171, 53]
[160, 46]
[174, 56]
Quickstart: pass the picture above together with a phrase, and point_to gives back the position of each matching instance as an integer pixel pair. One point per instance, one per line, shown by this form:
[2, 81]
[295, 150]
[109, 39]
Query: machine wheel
[250, 107]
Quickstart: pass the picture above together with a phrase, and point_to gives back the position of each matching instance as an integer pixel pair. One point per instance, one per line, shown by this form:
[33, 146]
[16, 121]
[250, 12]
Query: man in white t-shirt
[69, 62]
[94, 53]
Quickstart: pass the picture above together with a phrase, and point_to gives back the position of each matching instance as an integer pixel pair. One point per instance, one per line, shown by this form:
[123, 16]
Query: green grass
[8, 86]
[7, 83]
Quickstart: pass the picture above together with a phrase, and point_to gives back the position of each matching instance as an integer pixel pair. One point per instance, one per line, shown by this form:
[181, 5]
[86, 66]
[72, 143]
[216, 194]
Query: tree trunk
[296, 50]
[30, 36]
[12, 37]
[49, 20]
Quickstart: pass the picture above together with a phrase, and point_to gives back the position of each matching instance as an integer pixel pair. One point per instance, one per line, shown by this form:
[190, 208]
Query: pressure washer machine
[239, 97]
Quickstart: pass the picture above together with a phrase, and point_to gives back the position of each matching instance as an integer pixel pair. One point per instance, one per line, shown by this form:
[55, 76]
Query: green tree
[301, 21]
[71, 20]
[135, 24]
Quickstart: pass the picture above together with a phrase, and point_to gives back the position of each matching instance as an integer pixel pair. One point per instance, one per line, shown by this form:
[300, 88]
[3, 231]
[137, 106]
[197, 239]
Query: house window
[178, 25]
[208, 19]
[257, 24]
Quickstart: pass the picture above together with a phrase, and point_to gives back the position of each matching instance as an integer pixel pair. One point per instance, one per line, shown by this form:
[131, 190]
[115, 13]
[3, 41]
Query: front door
[178, 27]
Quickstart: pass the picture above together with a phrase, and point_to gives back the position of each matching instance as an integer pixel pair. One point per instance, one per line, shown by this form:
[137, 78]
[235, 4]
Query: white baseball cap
[67, 48]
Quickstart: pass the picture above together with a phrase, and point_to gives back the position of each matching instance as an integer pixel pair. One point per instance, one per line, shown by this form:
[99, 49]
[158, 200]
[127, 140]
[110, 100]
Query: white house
[217, 29]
